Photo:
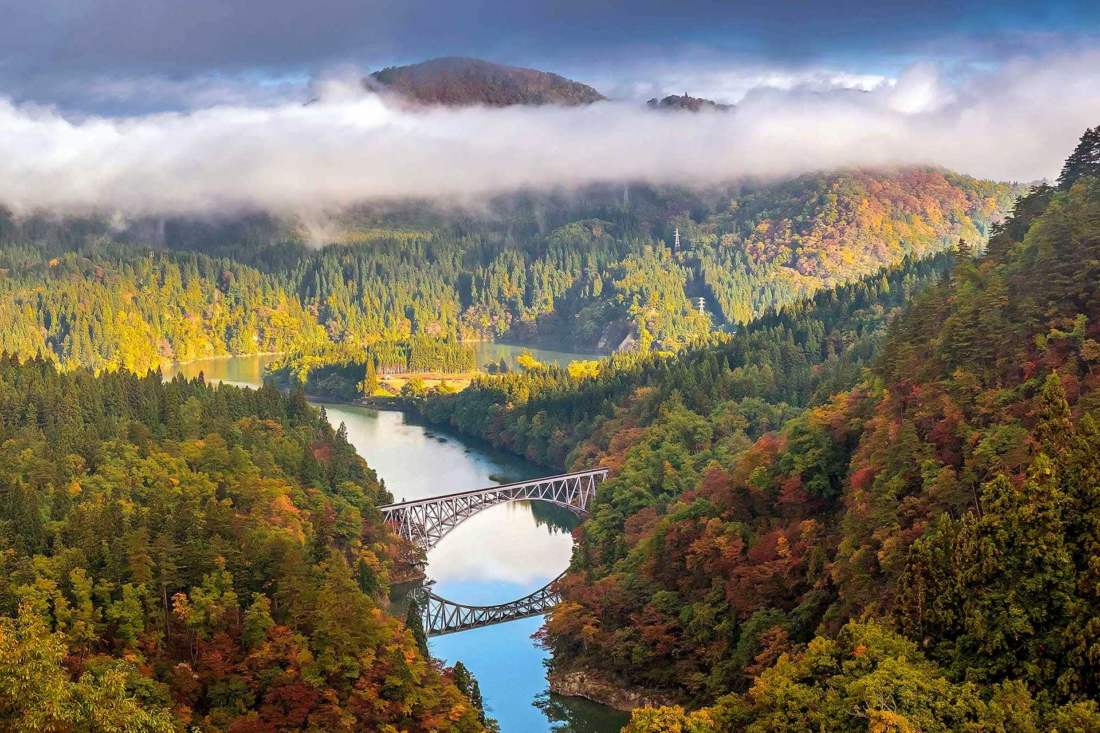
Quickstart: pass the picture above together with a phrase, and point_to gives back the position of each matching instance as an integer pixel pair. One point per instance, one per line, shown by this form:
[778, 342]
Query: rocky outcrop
[586, 684]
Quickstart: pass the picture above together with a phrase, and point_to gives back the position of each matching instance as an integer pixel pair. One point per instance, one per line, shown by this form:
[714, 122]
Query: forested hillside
[751, 383]
[178, 557]
[465, 81]
[116, 307]
[592, 271]
[914, 553]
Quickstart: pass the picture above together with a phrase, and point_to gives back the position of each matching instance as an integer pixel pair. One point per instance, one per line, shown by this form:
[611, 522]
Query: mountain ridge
[457, 81]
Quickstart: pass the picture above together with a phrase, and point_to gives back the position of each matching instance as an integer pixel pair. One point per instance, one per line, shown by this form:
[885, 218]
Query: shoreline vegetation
[375, 373]
[577, 683]
[170, 541]
[590, 274]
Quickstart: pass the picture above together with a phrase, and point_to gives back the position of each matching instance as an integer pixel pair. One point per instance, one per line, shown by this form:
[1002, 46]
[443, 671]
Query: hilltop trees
[950, 497]
[1084, 161]
[38, 694]
[790, 539]
[867, 679]
[789, 358]
[587, 273]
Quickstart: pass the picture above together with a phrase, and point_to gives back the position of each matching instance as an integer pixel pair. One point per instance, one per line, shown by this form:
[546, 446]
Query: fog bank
[1017, 122]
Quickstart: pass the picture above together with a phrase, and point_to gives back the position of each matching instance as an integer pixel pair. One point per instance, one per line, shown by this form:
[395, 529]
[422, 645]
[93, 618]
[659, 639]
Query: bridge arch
[425, 522]
[442, 616]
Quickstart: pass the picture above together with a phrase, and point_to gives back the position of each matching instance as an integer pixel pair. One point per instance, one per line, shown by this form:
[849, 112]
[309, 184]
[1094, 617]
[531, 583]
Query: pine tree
[416, 625]
[963, 250]
[467, 684]
[1084, 161]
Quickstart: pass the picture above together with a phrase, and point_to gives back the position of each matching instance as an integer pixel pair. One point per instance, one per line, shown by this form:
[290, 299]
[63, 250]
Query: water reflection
[577, 715]
[505, 544]
[416, 461]
[248, 370]
[240, 371]
[488, 352]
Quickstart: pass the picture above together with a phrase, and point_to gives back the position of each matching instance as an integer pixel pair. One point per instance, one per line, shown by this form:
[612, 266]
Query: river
[498, 555]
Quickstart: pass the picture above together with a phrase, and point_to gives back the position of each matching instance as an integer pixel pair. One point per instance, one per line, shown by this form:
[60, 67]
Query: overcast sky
[124, 56]
[195, 105]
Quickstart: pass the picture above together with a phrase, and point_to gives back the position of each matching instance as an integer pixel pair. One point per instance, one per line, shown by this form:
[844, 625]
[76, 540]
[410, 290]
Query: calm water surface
[489, 352]
[498, 555]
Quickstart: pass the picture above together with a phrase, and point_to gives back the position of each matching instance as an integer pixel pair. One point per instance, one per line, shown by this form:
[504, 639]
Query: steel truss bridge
[442, 616]
[425, 522]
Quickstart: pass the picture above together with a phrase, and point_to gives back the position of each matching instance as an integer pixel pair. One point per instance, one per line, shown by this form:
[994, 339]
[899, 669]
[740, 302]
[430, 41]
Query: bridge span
[426, 521]
[442, 616]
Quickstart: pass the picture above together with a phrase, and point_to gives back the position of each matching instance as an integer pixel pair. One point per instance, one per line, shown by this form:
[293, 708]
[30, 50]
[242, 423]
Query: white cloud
[502, 543]
[1017, 122]
[720, 82]
[918, 90]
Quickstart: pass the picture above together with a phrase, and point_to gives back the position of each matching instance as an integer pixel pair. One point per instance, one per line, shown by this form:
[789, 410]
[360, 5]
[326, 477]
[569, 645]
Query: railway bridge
[425, 522]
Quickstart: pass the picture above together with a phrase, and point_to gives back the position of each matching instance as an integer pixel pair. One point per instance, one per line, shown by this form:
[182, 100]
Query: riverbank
[599, 689]
[174, 365]
[393, 402]
[456, 381]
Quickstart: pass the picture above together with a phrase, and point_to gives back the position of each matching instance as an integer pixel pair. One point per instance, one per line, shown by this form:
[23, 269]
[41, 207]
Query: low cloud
[1014, 123]
[704, 75]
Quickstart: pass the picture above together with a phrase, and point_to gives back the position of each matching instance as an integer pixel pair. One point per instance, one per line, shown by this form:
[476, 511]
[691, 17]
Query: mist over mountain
[686, 102]
[463, 82]
[354, 145]
[807, 293]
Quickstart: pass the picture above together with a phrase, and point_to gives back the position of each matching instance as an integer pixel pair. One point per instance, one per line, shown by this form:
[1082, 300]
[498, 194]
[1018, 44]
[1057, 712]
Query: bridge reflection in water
[442, 616]
[426, 521]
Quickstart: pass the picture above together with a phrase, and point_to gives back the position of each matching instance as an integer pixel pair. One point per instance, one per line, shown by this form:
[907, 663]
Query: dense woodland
[914, 552]
[349, 373]
[178, 557]
[593, 271]
[751, 383]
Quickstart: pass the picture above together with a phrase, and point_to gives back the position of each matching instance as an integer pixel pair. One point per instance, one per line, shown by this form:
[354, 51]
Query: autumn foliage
[952, 496]
[175, 556]
[816, 526]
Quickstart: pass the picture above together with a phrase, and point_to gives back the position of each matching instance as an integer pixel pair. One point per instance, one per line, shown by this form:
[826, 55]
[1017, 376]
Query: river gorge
[496, 556]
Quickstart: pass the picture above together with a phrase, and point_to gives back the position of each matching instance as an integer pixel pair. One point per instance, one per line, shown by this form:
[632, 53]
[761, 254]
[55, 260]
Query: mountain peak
[688, 103]
[461, 82]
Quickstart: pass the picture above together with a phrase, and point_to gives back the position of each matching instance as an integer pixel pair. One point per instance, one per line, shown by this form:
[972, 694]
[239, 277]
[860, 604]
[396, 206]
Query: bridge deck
[501, 487]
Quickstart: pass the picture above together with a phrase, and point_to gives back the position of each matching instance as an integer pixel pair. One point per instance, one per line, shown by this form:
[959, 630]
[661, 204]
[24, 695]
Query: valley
[499, 555]
[495, 367]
